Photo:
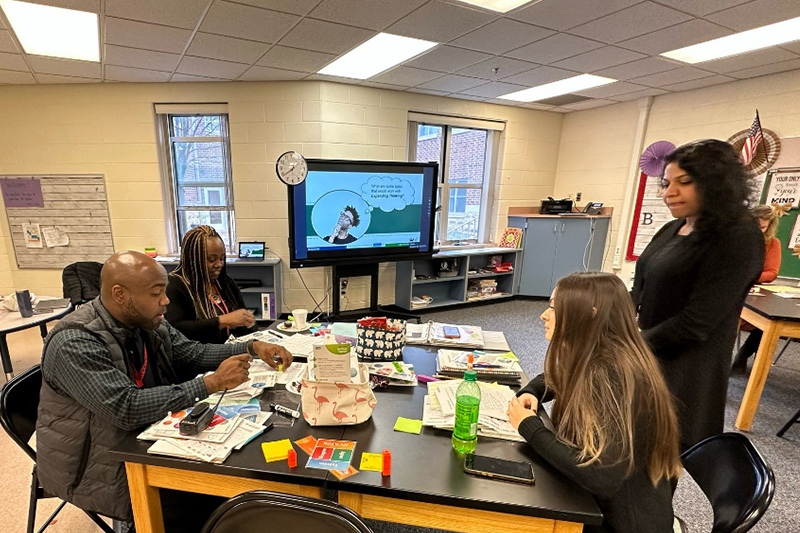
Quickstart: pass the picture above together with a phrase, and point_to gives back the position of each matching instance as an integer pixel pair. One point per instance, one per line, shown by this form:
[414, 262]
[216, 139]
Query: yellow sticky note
[276, 450]
[510, 355]
[408, 425]
[372, 461]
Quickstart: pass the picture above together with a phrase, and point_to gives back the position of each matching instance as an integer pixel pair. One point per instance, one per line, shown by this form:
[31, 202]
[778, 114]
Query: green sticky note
[372, 461]
[510, 355]
[408, 425]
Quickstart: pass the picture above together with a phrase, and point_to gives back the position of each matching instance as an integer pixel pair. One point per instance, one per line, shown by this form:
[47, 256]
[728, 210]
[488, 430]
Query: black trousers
[749, 346]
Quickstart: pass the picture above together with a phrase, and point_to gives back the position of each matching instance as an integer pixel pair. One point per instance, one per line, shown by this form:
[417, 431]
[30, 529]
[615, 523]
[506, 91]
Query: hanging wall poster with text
[24, 192]
[784, 188]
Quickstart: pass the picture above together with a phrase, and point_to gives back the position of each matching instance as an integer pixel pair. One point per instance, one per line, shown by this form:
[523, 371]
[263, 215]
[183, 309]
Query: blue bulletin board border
[790, 263]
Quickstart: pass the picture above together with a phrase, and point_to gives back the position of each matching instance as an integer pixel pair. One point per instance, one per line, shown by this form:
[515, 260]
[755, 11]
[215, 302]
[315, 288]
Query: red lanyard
[219, 303]
[138, 377]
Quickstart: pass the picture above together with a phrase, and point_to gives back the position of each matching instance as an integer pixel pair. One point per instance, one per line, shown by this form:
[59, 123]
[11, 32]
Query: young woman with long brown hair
[616, 433]
[204, 302]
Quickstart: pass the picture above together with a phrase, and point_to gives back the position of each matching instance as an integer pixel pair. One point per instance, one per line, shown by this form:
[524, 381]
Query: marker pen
[282, 409]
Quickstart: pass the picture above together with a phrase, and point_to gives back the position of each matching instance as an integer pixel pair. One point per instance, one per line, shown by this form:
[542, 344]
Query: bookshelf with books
[258, 281]
[446, 279]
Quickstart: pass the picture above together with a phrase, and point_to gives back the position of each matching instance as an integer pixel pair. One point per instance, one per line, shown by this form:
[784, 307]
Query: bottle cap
[470, 375]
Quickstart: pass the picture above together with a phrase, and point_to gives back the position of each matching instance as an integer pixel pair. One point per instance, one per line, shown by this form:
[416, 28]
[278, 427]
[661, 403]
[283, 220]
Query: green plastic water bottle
[468, 402]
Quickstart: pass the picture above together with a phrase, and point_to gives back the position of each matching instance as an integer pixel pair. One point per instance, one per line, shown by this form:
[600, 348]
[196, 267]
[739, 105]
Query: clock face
[291, 168]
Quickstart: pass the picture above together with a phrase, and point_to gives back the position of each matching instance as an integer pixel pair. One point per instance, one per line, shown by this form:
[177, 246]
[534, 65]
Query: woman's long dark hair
[193, 269]
[721, 181]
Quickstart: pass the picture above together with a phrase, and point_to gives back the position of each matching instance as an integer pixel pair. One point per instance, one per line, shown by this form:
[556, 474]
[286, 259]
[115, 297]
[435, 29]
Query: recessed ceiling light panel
[549, 90]
[739, 43]
[380, 53]
[54, 31]
[501, 6]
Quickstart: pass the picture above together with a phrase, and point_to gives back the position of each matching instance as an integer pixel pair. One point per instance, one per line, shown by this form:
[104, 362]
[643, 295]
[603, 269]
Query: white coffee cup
[300, 316]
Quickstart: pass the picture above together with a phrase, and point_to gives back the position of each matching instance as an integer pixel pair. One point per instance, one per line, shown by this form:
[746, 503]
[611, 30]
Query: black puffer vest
[72, 442]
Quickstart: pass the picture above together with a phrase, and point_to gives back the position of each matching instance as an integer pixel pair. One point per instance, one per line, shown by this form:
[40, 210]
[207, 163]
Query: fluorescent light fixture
[501, 6]
[739, 43]
[380, 53]
[54, 31]
[557, 88]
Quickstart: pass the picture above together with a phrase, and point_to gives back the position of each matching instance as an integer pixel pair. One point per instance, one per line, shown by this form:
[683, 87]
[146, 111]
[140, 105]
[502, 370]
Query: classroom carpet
[519, 320]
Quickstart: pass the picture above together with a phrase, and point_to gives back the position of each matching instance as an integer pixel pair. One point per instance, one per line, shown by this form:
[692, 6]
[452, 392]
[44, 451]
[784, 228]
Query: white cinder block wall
[110, 129]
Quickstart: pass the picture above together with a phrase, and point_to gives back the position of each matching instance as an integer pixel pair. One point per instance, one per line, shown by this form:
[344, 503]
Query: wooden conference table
[428, 486]
[777, 317]
[11, 321]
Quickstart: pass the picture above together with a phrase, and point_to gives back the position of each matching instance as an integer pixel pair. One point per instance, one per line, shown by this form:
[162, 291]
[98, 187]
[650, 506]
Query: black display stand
[359, 270]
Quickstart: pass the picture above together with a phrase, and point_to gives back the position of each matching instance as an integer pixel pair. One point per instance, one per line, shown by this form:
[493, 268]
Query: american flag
[754, 137]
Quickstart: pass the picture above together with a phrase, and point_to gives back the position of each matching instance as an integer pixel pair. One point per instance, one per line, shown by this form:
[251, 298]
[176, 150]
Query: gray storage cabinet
[554, 246]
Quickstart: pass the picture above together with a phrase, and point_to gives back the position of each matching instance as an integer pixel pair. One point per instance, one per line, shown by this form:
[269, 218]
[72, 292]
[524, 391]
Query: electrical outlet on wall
[578, 197]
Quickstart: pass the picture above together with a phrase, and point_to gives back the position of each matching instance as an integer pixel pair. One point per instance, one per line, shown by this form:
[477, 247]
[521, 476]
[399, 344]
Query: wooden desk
[11, 321]
[776, 317]
[428, 486]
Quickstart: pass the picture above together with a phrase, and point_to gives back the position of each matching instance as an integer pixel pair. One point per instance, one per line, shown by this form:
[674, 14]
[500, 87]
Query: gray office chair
[252, 511]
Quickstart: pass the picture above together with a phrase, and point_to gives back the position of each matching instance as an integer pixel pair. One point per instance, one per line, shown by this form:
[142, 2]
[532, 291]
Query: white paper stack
[433, 333]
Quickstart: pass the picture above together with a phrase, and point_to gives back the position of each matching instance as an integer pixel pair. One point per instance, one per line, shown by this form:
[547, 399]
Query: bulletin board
[56, 220]
[782, 185]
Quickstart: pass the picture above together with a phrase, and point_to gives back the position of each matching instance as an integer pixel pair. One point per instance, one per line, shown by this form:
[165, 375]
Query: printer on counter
[551, 206]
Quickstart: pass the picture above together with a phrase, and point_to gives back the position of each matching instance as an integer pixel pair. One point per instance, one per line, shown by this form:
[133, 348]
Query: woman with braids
[693, 277]
[616, 434]
[204, 303]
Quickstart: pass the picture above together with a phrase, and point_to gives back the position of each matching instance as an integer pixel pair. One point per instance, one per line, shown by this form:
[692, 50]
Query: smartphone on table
[451, 332]
[493, 467]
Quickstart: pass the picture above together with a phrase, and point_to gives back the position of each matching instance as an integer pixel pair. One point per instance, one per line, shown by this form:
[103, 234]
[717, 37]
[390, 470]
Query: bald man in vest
[111, 368]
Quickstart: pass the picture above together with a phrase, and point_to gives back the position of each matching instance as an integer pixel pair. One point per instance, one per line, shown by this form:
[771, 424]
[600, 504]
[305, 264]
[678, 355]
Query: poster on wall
[784, 188]
[650, 214]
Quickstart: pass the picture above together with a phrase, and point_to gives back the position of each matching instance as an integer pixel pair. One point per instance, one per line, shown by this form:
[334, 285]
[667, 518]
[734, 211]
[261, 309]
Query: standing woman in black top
[204, 303]
[616, 432]
[693, 277]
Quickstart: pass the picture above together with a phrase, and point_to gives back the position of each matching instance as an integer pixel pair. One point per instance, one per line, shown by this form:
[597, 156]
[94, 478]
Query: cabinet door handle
[562, 227]
[555, 227]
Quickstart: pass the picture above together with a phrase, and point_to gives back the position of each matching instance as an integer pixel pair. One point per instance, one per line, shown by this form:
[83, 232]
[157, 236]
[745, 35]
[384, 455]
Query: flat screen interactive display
[356, 211]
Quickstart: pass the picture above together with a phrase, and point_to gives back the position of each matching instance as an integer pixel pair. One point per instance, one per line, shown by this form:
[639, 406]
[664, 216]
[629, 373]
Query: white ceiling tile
[226, 48]
[672, 76]
[631, 22]
[697, 84]
[702, 7]
[539, 76]
[247, 22]
[13, 62]
[792, 47]
[554, 48]
[476, 98]
[440, 22]
[636, 95]
[7, 43]
[326, 37]
[758, 58]
[257, 73]
[140, 59]
[177, 13]
[91, 6]
[605, 57]
[452, 83]
[192, 77]
[55, 79]
[774, 68]
[297, 7]
[687, 33]
[282, 57]
[406, 76]
[565, 14]
[65, 67]
[589, 104]
[493, 89]
[16, 77]
[332, 79]
[370, 14]
[213, 68]
[757, 13]
[534, 105]
[445, 58]
[134, 75]
[642, 67]
[611, 89]
[428, 91]
[388, 86]
[507, 67]
[501, 36]
[146, 36]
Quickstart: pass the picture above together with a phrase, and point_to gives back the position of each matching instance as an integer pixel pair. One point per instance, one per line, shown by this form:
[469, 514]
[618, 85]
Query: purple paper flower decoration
[653, 159]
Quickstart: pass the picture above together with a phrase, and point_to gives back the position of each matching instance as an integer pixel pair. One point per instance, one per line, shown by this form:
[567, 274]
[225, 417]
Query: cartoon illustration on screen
[348, 218]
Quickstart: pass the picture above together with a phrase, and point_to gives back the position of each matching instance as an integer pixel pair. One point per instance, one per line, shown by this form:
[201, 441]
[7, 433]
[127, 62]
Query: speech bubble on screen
[387, 194]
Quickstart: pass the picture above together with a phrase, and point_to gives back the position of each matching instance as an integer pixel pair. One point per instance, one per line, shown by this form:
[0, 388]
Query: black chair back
[735, 477]
[19, 405]
[261, 510]
[81, 281]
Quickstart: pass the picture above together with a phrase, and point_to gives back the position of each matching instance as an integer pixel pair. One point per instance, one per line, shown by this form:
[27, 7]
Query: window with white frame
[197, 169]
[466, 151]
